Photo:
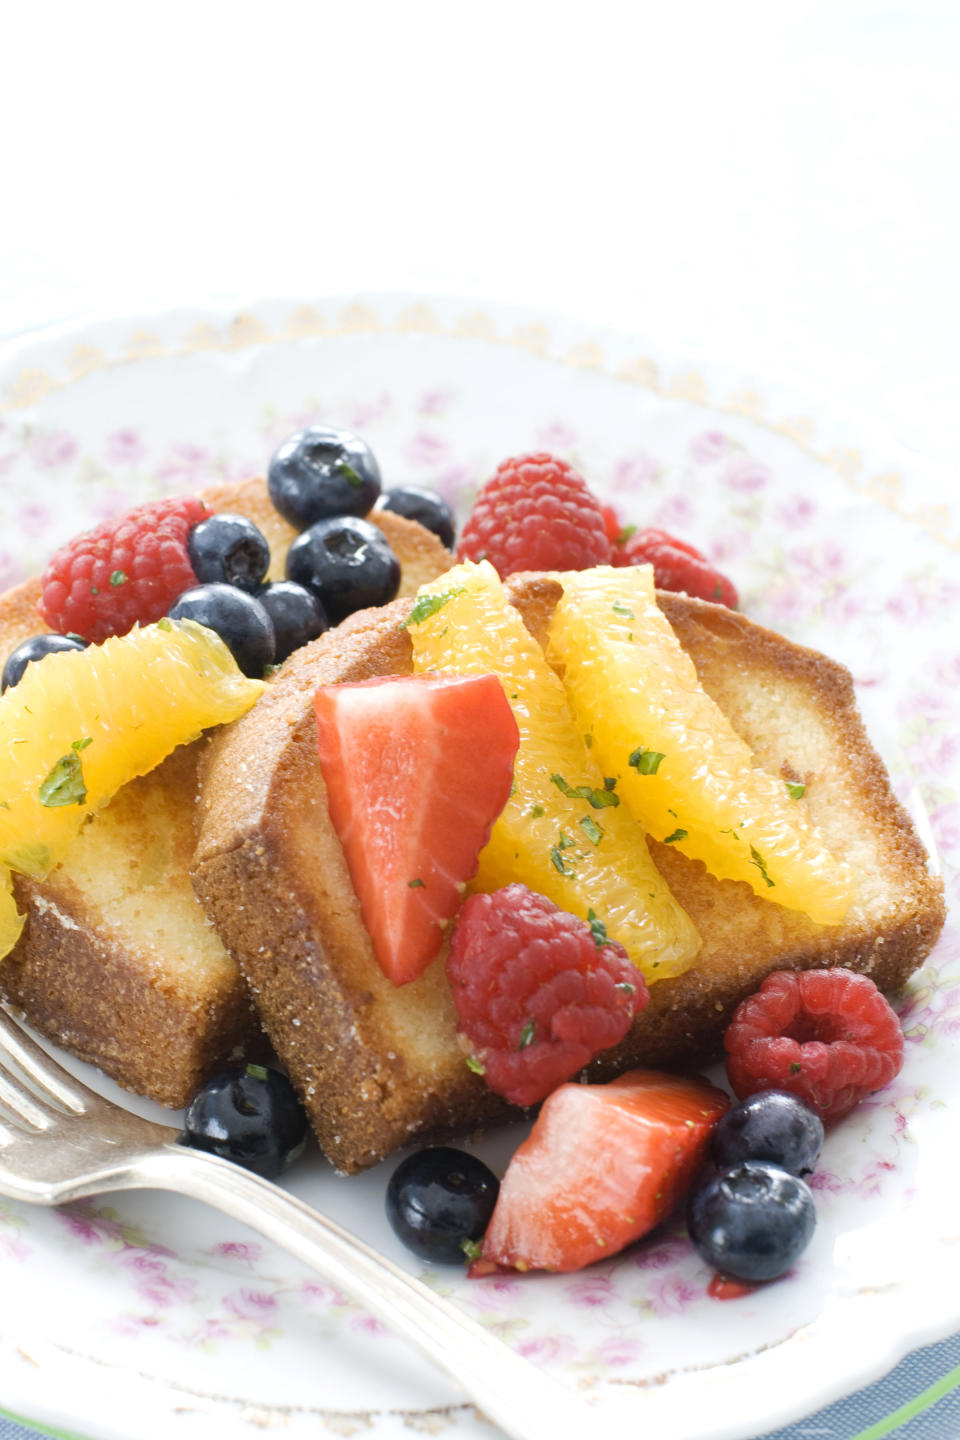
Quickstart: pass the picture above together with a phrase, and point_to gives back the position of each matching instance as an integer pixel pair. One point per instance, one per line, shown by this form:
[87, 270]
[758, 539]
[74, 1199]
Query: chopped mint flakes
[597, 929]
[473, 1249]
[349, 474]
[646, 762]
[536, 811]
[118, 578]
[82, 744]
[475, 1065]
[557, 859]
[256, 1072]
[417, 884]
[757, 859]
[427, 605]
[65, 784]
[599, 799]
[164, 624]
[591, 829]
[677, 835]
[624, 610]
[526, 1035]
[796, 792]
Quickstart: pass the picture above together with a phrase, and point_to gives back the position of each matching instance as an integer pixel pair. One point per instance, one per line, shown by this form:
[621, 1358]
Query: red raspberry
[827, 1035]
[538, 992]
[132, 569]
[536, 514]
[677, 566]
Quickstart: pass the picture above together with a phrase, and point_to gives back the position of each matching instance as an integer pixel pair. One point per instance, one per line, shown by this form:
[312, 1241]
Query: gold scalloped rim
[247, 331]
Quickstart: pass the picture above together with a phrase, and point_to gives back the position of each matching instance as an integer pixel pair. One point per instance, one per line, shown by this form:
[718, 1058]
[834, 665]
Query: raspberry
[538, 991]
[536, 514]
[827, 1035]
[104, 581]
[677, 566]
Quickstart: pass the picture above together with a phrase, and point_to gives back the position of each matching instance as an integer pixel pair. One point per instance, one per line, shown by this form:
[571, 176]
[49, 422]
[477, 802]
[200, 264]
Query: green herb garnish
[427, 605]
[256, 1072]
[416, 884]
[164, 624]
[646, 762]
[757, 859]
[65, 784]
[796, 792]
[677, 835]
[349, 474]
[473, 1249]
[591, 829]
[599, 799]
[597, 929]
[526, 1035]
[81, 744]
[118, 578]
[475, 1065]
[536, 811]
[624, 610]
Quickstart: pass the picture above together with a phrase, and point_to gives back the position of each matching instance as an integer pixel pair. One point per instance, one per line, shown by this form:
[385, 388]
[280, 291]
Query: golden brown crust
[155, 1017]
[372, 1078]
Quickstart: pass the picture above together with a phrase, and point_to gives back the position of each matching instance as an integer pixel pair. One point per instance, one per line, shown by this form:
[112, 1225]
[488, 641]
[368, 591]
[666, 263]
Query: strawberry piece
[603, 1165]
[417, 769]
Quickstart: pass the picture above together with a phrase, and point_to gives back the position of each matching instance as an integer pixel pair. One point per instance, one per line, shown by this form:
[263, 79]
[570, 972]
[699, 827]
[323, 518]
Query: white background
[769, 183]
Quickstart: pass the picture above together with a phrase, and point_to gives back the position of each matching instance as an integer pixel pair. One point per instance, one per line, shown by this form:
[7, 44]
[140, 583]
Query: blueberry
[241, 622]
[228, 550]
[248, 1114]
[771, 1125]
[753, 1221]
[347, 564]
[296, 613]
[427, 506]
[440, 1200]
[34, 649]
[319, 473]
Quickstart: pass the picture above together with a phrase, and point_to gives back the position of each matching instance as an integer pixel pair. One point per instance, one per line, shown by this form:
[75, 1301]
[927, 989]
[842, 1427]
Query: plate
[122, 1318]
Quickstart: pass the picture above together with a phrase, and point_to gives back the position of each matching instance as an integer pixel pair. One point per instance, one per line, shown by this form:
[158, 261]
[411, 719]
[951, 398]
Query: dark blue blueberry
[228, 550]
[439, 1201]
[752, 1222]
[771, 1125]
[427, 506]
[296, 613]
[34, 649]
[321, 472]
[241, 622]
[248, 1114]
[346, 563]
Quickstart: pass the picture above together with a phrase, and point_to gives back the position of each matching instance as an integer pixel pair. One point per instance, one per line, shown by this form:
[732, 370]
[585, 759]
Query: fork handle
[524, 1402]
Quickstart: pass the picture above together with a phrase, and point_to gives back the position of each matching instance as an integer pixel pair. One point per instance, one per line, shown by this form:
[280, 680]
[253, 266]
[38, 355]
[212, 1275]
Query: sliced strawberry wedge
[603, 1165]
[417, 769]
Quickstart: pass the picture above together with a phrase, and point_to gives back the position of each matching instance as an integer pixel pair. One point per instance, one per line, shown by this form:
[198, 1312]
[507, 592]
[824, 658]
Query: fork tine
[20, 1107]
[51, 1081]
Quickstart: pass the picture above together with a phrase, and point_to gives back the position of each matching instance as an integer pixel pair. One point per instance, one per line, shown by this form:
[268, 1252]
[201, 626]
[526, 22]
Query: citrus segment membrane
[678, 763]
[563, 832]
[79, 724]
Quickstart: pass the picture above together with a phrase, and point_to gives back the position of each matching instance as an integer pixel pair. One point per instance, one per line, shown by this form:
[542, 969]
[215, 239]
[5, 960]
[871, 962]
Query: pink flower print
[677, 511]
[321, 1294]
[54, 449]
[618, 1350]
[109, 505]
[591, 1291]
[729, 544]
[187, 465]
[662, 1256]
[634, 473]
[239, 1250]
[796, 510]
[250, 1304]
[543, 1349]
[746, 475]
[557, 436]
[369, 1325]
[497, 1292]
[124, 447]
[818, 564]
[708, 446]
[426, 450]
[34, 519]
[366, 412]
[434, 402]
[671, 1295]
[946, 826]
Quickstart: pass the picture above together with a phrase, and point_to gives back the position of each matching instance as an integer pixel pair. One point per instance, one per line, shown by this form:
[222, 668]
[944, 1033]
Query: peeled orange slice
[11, 923]
[79, 724]
[563, 832]
[679, 765]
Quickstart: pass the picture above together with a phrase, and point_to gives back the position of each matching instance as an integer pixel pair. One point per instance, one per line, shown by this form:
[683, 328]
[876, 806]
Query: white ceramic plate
[122, 1319]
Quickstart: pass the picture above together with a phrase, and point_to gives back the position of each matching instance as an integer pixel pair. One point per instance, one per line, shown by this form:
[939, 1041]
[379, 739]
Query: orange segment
[81, 723]
[11, 923]
[679, 765]
[562, 833]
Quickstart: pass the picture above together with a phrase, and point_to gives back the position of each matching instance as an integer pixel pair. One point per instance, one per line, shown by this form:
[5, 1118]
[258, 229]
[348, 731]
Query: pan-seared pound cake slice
[117, 960]
[377, 1065]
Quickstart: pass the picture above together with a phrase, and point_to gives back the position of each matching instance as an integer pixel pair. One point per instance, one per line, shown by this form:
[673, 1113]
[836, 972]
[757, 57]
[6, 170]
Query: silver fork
[60, 1141]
